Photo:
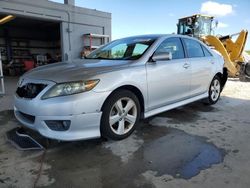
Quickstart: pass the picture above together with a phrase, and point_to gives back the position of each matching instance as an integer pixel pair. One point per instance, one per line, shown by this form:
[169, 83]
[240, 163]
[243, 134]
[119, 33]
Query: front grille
[27, 117]
[30, 90]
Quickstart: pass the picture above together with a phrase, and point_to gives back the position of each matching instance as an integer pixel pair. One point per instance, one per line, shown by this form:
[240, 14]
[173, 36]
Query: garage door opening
[27, 43]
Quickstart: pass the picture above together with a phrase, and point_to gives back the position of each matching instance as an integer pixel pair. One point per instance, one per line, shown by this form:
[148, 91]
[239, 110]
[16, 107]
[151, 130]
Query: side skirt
[174, 105]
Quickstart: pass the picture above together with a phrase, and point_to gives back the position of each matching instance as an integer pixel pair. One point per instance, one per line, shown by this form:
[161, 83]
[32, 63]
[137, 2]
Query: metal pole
[2, 92]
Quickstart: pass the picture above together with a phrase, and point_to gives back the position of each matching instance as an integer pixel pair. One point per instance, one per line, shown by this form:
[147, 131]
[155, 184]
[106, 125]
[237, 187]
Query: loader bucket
[218, 45]
[236, 48]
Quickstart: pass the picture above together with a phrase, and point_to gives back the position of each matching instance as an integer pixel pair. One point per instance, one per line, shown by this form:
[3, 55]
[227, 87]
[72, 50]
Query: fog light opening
[58, 125]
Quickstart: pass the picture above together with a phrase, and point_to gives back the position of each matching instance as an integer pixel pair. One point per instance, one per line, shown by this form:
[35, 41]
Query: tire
[120, 115]
[215, 89]
[245, 72]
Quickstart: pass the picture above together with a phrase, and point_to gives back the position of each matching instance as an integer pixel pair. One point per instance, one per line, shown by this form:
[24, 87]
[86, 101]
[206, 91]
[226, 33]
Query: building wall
[75, 21]
[77, 45]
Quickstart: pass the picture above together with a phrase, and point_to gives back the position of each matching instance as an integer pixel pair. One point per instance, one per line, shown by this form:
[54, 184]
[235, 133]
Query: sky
[136, 17]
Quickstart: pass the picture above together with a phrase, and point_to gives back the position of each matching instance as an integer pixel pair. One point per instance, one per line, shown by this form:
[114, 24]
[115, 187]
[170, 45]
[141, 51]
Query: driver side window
[172, 45]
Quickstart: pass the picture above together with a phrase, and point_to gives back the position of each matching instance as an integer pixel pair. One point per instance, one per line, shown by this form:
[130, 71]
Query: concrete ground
[192, 146]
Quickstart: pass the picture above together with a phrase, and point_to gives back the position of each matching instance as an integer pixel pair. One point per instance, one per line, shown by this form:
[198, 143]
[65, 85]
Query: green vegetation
[248, 51]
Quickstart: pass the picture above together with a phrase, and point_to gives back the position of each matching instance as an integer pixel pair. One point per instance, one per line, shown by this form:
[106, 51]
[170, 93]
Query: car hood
[75, 70]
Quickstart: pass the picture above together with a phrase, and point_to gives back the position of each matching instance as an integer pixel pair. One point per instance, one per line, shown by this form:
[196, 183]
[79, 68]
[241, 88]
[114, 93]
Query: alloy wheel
[215, 90]
[123, 116]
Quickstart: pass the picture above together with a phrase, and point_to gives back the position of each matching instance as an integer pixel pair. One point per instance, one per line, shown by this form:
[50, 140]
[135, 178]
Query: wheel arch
[223, 77]
[134, 90]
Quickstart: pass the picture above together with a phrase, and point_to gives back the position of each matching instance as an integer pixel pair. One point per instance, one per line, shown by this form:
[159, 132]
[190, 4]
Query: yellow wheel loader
[201, 26]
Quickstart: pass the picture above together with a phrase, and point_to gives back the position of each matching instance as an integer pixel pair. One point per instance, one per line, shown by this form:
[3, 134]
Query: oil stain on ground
[181, 155]
[165, 151]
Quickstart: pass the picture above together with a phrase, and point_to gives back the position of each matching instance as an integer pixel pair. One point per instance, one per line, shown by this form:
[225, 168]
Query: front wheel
[120, 115]
[214, 90]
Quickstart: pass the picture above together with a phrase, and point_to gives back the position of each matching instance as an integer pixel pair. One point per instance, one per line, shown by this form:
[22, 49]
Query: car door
[201, 66]
[168, 81]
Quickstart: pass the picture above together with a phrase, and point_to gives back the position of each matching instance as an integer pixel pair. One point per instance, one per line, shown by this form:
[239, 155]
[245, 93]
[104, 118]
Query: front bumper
[82, 110]
[83, 126]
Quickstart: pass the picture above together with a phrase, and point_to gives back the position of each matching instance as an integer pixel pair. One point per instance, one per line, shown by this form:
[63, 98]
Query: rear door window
[194, 48]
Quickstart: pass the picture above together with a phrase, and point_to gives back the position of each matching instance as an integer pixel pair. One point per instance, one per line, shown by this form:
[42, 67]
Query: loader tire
[245, 72]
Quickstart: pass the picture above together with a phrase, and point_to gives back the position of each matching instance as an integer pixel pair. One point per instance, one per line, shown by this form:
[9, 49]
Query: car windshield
[123, 49]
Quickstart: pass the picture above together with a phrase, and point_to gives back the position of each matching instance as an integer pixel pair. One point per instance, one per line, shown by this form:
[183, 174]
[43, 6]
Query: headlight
[70, 88]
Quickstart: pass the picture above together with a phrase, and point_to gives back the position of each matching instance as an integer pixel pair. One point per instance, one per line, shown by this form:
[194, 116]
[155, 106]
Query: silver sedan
[108, 92]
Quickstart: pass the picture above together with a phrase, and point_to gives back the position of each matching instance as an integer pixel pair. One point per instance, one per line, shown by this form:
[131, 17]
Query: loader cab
[195, 26]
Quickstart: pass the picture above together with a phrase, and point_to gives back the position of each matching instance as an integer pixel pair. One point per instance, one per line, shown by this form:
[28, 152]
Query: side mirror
[189, 21]
[163, 56]
[196, 25]
[216, 23]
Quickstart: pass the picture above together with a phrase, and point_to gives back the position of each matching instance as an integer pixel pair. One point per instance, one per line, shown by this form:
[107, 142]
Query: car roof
[147, 35]
[160, 36]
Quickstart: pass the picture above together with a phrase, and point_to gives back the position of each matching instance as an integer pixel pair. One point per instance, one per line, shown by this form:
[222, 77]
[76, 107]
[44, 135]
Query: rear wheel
[120, 115]
[214, 90]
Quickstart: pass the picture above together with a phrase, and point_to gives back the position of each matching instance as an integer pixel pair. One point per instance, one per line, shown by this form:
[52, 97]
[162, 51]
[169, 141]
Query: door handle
[186, 65]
